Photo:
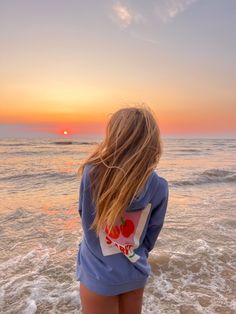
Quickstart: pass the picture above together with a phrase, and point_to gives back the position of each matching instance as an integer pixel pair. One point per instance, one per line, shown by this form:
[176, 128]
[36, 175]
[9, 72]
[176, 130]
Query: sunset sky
[67, 65]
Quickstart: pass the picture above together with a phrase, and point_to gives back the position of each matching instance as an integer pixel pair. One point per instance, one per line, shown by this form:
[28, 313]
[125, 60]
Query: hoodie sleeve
[81, 192]
[157, 217]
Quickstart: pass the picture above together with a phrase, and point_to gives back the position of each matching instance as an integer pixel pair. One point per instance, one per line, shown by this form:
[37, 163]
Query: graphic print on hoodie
[124, 237]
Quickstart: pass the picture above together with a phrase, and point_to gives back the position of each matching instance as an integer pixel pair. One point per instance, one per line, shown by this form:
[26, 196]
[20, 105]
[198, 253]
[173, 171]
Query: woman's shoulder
[87, 169]
[160, 184]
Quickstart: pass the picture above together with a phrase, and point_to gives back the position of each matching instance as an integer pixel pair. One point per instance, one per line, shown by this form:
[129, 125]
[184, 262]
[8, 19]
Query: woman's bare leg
[93, 303]
[131, 302]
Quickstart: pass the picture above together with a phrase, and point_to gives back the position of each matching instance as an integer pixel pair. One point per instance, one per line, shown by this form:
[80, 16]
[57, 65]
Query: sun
[65, 132]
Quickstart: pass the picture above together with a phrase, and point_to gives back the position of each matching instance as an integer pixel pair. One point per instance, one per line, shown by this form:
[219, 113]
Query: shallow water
[193, 263]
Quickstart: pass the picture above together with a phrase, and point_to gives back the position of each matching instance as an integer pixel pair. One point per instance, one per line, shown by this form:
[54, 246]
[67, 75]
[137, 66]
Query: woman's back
[116, 260]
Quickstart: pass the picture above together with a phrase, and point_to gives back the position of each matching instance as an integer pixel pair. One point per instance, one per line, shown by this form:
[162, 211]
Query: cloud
[124, 16]
[169, 9]
[127, 15]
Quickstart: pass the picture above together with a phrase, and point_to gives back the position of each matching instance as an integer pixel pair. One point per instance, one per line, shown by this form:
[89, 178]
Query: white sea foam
[195, 280]
[29, 287]
[31, 307]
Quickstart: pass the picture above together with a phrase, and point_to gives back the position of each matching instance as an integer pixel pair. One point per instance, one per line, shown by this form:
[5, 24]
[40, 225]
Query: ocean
[193, 262]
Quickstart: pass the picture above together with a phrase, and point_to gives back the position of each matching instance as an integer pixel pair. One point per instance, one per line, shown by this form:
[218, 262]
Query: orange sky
[70, 71]
[176, 113]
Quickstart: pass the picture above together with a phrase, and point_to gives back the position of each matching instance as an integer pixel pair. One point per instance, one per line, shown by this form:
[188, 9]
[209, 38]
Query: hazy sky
[67, 65]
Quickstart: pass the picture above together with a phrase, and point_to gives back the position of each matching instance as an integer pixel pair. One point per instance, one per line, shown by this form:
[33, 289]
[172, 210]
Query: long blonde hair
[122, 162]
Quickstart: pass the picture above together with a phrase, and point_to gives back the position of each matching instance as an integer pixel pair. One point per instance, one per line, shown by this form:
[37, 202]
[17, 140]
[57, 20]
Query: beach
[193, 262]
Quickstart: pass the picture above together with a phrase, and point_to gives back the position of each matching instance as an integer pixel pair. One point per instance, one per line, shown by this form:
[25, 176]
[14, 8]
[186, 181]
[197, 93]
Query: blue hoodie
[117, 262]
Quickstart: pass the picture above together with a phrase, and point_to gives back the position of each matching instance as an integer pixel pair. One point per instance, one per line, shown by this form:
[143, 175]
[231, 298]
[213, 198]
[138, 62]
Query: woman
[122, 205]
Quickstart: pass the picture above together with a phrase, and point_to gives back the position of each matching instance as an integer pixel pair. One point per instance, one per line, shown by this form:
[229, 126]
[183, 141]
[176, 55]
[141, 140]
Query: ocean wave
[209, 176]
[39, 144]
[18, 213]
[72, 143]
[62, 143]
[15, 144]
[189, 150]
[47, 153]
[26, 153]
[43, 175]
